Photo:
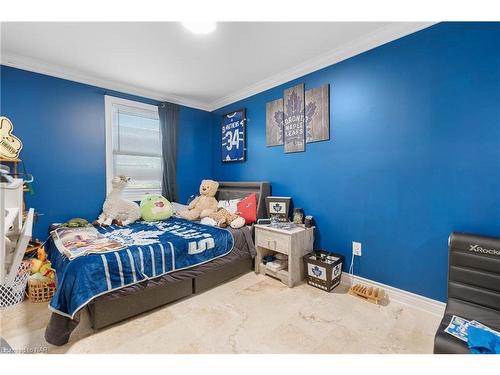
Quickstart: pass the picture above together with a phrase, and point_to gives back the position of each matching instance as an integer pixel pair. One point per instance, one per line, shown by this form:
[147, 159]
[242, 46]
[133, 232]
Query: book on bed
[75, 242]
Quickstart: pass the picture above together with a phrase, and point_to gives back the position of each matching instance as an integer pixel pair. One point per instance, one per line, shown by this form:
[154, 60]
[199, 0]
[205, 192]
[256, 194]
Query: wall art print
[293, 123]
[317, 114]
[274, 123]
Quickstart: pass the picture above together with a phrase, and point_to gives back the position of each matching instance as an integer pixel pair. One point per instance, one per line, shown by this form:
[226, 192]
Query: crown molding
[366, 42]
[34, 65]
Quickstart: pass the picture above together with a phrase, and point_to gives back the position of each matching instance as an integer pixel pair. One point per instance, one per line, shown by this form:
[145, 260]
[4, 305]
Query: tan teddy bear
[203, 205]
[223, 218]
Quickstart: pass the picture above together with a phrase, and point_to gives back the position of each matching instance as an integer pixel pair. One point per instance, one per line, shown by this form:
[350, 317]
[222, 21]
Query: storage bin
[13, 293]
[323, 269]
[41, 290]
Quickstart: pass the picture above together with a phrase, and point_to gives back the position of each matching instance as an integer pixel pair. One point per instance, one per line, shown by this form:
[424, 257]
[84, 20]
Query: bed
[127, 295]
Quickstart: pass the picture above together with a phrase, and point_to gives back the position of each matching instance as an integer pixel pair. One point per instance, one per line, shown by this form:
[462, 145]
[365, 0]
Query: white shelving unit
[11, 220]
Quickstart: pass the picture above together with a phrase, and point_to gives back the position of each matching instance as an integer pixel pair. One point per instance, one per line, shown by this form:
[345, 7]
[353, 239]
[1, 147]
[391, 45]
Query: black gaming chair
[473, 287]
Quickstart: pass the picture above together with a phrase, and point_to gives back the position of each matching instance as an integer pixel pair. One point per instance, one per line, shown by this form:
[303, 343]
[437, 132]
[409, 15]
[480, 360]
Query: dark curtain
[169, 125]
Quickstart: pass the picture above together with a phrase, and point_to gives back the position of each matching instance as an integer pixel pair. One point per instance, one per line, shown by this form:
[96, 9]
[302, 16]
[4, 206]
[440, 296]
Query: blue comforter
[152, 249]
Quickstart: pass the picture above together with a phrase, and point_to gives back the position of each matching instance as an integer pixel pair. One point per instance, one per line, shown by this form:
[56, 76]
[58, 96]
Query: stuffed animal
[117, 208]
[41, 268]
[223, 218]
[155, 207]
[204, 204]
[76, 223]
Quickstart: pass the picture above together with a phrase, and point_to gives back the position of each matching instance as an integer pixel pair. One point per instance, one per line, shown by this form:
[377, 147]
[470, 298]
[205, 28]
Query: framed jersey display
[233, 136]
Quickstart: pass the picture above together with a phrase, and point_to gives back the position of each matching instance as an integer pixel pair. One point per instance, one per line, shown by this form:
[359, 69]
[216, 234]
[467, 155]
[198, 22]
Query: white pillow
[230, 205]
[178, 207]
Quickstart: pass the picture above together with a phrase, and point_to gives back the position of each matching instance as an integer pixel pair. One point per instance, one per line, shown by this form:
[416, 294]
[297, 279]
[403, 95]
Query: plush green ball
[155, 207]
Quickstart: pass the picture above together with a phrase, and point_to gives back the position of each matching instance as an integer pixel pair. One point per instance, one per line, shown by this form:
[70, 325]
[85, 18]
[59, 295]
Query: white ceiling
[164, 61]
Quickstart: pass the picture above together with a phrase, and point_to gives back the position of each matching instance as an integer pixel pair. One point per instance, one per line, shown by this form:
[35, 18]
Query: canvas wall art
[317, 114]
[274, 123]
[293, 122]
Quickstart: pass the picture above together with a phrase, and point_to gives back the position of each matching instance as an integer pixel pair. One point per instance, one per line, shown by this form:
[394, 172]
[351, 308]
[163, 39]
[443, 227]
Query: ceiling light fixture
[200, 27]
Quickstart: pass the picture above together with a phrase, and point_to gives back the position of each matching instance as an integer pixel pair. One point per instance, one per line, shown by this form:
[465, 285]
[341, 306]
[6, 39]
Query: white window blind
[134, 146]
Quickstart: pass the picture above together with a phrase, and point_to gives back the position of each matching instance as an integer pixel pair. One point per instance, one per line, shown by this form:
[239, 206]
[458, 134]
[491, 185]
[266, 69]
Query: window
[133, 146]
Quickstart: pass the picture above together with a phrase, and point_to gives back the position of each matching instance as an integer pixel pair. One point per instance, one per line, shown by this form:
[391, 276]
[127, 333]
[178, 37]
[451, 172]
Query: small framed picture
[278, 207]
[233, 136]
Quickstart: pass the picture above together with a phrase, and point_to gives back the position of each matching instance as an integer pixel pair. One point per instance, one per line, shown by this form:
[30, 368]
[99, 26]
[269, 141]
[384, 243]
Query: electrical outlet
[356, 248]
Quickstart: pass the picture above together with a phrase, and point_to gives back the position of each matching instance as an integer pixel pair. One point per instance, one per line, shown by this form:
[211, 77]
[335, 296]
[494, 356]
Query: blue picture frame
[233, 136]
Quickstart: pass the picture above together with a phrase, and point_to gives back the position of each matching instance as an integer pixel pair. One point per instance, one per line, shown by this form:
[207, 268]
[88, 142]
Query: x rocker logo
[479, 249]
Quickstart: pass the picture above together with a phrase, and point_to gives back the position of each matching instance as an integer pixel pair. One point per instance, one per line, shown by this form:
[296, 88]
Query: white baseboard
[403, 297]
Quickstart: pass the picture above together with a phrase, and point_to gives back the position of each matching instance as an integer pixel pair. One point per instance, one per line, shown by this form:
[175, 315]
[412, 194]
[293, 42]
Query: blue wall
[61, 124]
[414, 154]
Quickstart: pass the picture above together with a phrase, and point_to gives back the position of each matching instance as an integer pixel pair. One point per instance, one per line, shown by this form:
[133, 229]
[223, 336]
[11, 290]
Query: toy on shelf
[368, 293]
[10, 145]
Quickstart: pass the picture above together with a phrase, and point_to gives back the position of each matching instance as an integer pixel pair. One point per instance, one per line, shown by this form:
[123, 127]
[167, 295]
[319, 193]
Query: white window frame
[108, 108]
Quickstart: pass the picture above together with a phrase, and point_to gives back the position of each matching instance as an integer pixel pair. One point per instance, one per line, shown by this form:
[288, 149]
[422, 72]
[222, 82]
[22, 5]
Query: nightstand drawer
[273, 241]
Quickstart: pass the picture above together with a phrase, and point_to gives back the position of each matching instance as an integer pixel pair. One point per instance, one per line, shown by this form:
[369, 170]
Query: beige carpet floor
[250, 314]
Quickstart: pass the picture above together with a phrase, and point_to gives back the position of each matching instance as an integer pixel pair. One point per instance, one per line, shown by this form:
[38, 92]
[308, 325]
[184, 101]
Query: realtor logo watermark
[25, 350]
[479, 249]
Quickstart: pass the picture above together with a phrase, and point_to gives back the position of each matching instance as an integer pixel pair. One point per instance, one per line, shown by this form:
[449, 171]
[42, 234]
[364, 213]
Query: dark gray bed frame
[104, 312]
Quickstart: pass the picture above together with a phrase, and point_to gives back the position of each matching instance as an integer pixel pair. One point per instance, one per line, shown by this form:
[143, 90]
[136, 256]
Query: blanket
[152, 249]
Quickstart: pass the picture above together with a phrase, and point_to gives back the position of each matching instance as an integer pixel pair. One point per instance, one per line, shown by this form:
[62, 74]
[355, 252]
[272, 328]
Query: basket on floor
[13, 293]
[41, 290]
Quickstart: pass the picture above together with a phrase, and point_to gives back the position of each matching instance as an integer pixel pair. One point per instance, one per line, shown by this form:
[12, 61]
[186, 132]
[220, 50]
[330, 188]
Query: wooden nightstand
[295, 243]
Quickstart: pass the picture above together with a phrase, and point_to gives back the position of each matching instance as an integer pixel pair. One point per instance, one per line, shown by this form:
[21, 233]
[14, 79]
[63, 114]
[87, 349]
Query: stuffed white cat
[117, 208]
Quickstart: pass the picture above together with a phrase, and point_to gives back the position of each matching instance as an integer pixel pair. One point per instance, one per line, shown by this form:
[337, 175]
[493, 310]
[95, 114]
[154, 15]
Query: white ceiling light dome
[200, 27]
